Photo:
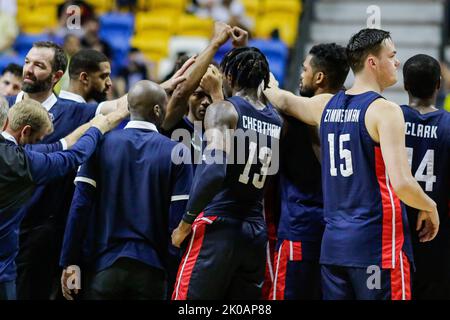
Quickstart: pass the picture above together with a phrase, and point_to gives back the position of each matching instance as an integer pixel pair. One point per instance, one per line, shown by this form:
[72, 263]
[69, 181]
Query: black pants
[37, 263]
[128, 279]
[430, 289]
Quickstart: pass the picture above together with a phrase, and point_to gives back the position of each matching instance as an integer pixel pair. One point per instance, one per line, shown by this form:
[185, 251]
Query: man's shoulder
[221, 112]
[167, 147]
[11, 156]
[68, 102]
[381, 108]
[145, 136]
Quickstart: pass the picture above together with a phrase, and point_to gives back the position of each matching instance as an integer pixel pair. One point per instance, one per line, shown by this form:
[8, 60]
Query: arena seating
[155, 24]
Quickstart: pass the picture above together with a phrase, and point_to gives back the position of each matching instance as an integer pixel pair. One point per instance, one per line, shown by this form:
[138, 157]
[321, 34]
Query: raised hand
[239, 37]
[222, 33]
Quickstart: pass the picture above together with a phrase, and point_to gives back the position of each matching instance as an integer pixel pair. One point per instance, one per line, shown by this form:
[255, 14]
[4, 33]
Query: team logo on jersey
[52, 117]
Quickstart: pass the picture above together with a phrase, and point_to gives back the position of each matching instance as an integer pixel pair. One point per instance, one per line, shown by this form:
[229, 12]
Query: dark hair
[331, 59]
[14, 68]
[59, 61]
[421, 76]
[247, 66]
[86, 60]
[365, 42]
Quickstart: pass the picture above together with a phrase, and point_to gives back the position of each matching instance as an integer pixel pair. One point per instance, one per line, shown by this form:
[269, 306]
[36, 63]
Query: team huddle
[217, 184]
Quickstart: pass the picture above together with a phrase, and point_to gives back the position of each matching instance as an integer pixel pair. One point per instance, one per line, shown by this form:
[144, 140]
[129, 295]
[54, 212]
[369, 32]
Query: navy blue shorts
[225, 259]
[372, 283]
[295, 278]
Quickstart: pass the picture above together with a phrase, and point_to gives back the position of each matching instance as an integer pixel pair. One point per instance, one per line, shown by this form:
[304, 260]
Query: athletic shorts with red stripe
[296, 272]
[371, 283]
[225, 258]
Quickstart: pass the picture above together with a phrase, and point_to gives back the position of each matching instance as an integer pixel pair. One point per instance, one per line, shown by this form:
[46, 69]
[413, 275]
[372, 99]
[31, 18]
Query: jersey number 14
[425, 170]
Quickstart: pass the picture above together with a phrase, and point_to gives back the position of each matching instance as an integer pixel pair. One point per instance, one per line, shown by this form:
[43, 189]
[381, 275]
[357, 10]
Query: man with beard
[89, 72]
[45, 214]
[300, 229]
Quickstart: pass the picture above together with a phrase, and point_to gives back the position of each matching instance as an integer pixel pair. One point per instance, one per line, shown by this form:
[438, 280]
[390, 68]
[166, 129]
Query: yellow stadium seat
[49, 2]
[189, 25]
[168, 5]
[38, 20]
[101, 6]
[150, 35]
[23, 10]
[252, 7]
[26, 3]
[447, 103]
[286, 24]
[293, 7]
[154, 22]
[144, 5]
[154, 49]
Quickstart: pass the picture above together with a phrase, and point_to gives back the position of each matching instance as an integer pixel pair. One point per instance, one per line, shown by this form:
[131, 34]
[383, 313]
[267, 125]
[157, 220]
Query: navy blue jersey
[300, 185]
[189, 134]
[22, 170]
[366, 223]
[53, 200]
[428, 146]
[137, 179]
[255, 154]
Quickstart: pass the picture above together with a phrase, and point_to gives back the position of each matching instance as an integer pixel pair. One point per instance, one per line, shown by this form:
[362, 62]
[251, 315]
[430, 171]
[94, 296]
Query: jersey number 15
[345, 168]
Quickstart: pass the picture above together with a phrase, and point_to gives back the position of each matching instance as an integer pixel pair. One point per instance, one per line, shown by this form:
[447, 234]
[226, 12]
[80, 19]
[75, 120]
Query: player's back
[427, 138]
[300, 184]
[254, 151]
[366, 223]
[135, 176]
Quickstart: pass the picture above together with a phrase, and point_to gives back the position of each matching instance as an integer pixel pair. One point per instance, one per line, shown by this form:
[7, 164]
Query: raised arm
[177, 105]
[307, 110]
[220, 121]
[178, 77]
[386, 125]
[110, 106]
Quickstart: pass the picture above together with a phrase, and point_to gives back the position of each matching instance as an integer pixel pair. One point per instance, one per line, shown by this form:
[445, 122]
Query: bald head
[147, 101]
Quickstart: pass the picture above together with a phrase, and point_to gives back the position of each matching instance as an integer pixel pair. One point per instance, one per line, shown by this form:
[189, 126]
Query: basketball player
[365, 175]
[225, 253]
[296, 263]
[428, 146]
